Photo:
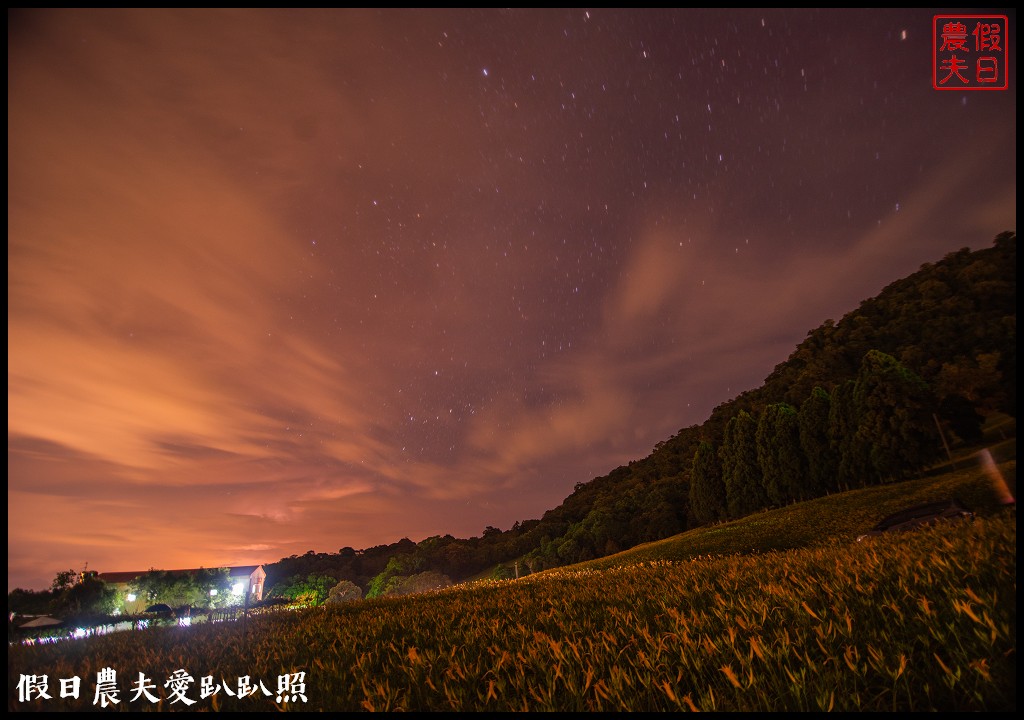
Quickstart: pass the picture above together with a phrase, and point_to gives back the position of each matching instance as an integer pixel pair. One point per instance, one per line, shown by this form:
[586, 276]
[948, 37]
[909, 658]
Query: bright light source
[213, 592]
[131, 597]
[238, 588]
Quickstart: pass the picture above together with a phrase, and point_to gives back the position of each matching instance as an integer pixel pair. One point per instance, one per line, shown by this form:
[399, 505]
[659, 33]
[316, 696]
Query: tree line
[880, 427]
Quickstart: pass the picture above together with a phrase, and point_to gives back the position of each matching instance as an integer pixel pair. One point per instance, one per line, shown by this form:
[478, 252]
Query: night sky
[283, 281]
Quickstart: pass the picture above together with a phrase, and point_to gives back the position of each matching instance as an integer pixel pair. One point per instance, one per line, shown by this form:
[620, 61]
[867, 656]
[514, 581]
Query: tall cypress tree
[896, 427]
[707, 491]
[740, 471]
[843, 420]
[779, 454]
[820, 458]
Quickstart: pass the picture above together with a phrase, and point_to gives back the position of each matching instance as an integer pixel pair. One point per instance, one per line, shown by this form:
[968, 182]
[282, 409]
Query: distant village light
[241, 578]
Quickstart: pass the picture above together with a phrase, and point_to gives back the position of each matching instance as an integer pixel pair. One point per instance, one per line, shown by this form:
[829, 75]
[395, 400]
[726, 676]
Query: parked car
[919, 516]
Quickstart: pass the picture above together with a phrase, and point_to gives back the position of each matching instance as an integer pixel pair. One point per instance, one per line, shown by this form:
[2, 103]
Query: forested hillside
[858, 402]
